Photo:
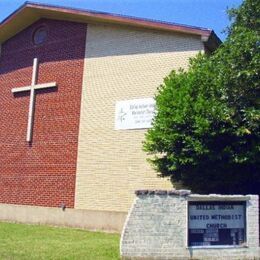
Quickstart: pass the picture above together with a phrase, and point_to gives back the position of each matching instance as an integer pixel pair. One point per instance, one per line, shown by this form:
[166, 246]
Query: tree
[205, 135]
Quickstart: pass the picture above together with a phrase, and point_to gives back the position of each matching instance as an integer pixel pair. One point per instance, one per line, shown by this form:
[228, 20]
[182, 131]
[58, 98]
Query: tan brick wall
[121, 64]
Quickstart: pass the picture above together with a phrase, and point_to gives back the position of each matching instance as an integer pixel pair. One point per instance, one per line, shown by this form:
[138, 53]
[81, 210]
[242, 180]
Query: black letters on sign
[217, 223]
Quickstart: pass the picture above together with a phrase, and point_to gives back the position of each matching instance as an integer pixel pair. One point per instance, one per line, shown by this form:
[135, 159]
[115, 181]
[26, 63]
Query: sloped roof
[30, 12]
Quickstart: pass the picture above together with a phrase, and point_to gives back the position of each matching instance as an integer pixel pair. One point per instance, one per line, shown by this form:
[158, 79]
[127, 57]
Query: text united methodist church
[76, 98]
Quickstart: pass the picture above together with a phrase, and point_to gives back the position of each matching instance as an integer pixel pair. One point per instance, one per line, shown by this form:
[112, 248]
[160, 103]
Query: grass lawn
[19, 241]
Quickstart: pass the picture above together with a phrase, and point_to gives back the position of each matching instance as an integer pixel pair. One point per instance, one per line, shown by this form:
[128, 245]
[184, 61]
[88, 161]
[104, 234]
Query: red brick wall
[41, 173]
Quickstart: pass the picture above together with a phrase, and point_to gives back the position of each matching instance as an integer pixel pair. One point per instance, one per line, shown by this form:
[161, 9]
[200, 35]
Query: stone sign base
[180, 225]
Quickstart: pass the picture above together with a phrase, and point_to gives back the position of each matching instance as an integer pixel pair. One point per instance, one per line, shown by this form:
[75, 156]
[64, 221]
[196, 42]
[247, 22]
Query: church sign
[176, 224]
[134, 114]
[216, 223]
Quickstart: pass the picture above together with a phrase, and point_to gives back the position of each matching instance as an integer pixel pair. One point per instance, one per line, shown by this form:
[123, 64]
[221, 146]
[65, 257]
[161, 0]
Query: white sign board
[216, 223]
[134, 114]
[216, 216]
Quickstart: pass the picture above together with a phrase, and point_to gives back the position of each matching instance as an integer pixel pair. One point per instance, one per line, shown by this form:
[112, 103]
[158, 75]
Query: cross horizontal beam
[38, 86]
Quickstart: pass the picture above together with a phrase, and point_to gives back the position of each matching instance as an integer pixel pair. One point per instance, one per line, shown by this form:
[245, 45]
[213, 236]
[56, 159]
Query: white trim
[215, 197]
[214, 247]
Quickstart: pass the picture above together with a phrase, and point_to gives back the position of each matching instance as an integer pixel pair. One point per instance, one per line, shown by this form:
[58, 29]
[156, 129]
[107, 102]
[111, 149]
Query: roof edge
[114, 15]
[212, 42]
[38, 10]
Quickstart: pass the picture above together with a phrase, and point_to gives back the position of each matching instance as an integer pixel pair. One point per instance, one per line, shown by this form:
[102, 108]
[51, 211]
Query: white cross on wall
[32, 89]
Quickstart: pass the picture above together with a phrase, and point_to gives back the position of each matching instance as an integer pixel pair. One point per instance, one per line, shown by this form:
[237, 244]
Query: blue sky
[203, 13]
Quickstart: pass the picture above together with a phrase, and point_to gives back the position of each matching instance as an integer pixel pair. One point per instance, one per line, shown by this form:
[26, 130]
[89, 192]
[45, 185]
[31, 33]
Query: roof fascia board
[123, 19]
[23, 19]
[31, 12]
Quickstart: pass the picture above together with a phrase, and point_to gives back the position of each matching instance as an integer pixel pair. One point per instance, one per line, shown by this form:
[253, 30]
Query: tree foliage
[205, 135]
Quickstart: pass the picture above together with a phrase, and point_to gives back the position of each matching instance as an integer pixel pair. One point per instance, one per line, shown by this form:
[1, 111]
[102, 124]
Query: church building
[76, 99]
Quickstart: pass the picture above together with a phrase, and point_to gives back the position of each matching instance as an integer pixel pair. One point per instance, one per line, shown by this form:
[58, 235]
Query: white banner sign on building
[134, 114]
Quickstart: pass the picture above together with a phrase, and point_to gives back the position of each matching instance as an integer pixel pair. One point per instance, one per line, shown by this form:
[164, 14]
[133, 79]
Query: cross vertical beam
[32, 101]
